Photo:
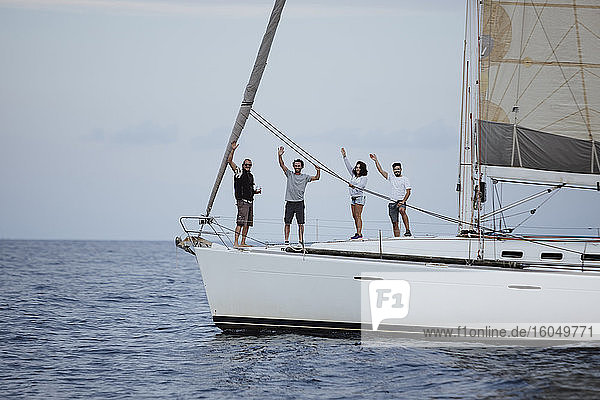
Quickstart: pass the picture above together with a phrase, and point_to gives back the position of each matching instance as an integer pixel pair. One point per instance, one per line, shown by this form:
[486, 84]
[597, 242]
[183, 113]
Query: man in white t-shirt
[399, 193]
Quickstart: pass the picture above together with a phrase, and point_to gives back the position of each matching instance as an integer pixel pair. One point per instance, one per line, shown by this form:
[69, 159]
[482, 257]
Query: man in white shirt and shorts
[399, 193]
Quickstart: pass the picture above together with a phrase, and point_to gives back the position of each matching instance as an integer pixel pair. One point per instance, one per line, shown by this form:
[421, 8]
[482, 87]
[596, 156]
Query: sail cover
[539, 91]
[255, 77]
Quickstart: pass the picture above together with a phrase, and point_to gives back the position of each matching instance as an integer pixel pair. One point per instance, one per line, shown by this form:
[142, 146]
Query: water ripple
[131, 320]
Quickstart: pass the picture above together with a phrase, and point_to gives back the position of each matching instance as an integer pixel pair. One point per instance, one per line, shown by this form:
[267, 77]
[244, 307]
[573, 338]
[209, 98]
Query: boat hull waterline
[273, 289]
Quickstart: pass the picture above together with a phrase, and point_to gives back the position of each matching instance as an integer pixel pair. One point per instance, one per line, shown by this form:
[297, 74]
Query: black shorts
[291, 208]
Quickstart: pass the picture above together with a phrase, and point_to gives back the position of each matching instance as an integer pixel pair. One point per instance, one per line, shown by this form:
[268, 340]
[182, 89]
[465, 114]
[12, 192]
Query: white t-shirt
[359, 182]
[398, 186]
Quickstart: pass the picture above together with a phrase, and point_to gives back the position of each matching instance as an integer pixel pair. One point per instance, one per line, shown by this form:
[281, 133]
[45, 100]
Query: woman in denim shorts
[358, 181]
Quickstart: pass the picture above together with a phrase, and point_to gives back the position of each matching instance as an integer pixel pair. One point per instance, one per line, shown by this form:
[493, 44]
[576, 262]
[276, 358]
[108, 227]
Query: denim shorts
[394, 209]
[358, 200]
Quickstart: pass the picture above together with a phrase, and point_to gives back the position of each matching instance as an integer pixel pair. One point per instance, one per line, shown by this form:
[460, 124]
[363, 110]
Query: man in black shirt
[243, 185]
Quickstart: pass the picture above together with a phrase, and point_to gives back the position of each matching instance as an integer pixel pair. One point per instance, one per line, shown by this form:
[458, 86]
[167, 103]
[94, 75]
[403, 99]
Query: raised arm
[318, 175]
[381, 171]
[346, 162]
[234, 146]
[280, 152]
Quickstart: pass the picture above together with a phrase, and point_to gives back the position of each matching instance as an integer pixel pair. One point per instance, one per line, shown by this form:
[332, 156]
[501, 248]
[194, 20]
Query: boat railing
[322, 229]
[196, 228]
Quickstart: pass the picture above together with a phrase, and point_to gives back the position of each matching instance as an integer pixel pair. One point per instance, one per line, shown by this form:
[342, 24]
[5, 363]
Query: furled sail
[251, 88]
[539, 91]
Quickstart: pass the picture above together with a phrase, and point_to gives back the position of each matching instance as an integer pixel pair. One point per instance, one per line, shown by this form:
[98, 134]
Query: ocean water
[97, 319]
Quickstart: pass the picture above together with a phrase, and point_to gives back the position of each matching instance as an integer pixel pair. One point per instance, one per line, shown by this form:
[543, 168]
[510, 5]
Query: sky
[114, 115]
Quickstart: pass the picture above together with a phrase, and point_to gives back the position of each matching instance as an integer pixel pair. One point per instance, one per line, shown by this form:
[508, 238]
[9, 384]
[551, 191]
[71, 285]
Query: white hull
[273, 288]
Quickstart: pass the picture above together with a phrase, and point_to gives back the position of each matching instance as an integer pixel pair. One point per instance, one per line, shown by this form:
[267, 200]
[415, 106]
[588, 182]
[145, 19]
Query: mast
[249, 94]
[467, 160]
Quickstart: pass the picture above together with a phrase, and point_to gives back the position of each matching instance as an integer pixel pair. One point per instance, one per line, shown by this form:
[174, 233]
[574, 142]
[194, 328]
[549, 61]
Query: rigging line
[540, 243]
[263, 121]
[278, 133]
[529, 212]
[296, 147]
[538, 207]
[529, 183]
[271, 128]
[462, 96]
[219, 235]
[521, 213]
[494, 206]
[499, 198]
[524, 200]
[478, 137]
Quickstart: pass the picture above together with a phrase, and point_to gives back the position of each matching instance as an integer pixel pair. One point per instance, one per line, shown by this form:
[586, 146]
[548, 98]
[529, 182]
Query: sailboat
[530, 115]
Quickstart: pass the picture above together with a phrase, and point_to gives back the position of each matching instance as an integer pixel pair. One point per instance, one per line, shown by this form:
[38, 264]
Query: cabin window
[551, 256]
[590, 257]
[512, 254]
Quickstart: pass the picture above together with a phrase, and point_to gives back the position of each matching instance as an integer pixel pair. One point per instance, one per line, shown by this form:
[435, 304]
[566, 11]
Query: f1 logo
[388, 299]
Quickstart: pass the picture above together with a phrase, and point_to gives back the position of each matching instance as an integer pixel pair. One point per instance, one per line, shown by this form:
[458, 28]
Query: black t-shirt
[243, 185]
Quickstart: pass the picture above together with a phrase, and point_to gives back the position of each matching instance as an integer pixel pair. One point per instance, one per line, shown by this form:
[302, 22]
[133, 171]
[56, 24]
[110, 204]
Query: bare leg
[396, 229]
[238, 228]
[286, 232]
[301, 232]
[404, 218]
[244, 235]
[356, 213]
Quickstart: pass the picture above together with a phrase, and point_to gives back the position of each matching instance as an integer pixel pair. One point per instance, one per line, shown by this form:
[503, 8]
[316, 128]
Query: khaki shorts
[245, 215]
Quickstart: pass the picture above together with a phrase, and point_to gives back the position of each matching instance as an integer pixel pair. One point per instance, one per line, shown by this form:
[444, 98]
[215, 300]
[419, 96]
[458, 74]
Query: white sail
[539, 90]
